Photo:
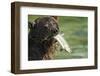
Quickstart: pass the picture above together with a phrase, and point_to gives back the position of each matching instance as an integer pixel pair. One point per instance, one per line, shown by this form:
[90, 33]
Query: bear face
[44, 28]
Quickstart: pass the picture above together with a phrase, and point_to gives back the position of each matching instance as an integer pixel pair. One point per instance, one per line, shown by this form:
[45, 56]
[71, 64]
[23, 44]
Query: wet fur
[41, 44]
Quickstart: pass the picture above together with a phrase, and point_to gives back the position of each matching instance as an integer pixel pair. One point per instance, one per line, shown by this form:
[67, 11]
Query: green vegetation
[75, 33]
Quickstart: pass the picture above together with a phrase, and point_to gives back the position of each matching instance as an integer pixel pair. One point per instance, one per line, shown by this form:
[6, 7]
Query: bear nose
[55, 31]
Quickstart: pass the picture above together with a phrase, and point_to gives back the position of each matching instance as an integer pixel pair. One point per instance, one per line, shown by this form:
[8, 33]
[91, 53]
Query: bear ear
[37, 20]
[31, 25]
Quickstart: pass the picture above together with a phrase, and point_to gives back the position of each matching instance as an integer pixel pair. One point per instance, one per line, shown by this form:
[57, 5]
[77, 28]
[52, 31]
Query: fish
[63, 43]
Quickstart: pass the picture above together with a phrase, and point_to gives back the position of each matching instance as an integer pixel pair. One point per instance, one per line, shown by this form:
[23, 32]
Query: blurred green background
[75, 33]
